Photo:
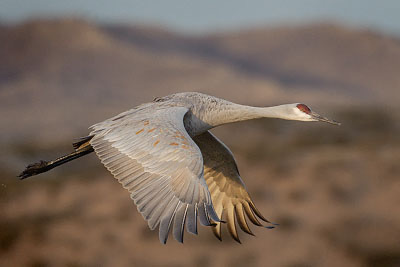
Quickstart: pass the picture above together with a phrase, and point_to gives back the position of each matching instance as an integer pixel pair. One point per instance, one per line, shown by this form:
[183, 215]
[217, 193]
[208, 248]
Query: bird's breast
[195, 125]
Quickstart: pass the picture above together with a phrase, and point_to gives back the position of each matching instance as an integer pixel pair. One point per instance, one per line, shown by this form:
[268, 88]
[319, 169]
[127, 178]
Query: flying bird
[175, 169]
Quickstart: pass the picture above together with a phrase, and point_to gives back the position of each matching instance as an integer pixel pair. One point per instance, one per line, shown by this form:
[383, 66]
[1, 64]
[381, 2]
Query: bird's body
[163, 153]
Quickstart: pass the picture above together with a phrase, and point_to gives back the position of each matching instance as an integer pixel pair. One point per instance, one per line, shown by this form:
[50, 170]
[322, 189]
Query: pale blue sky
[205, 16]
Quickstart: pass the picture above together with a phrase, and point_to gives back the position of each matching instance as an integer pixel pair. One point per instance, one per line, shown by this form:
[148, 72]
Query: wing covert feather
[148, 150]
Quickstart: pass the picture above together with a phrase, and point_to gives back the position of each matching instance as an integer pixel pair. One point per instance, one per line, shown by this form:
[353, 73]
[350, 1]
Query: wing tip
[236, 238]
[217, 231]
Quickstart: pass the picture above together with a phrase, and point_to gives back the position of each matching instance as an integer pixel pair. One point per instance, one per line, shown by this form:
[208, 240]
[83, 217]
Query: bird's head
[302, 112]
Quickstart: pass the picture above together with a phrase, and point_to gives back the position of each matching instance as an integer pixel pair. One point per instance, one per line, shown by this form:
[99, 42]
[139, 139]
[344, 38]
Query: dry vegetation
[333, 190]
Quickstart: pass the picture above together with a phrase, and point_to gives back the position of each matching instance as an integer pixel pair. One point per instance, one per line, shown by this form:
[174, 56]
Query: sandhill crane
[175, 169]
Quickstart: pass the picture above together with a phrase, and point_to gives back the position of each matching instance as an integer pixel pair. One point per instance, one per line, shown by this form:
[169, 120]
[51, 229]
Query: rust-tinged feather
[257, 212]
[242, 219]
[180, 136]
[138, 132]
[250, 214]
[230, 217]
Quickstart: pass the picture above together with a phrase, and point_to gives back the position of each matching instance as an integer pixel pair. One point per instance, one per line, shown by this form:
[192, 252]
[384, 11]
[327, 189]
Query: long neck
[231, 112]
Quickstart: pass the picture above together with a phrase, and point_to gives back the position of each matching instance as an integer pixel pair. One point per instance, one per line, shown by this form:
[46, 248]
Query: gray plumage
[175, 170]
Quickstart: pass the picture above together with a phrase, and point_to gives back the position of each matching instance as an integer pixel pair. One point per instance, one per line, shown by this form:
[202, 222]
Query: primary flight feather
[175, 170]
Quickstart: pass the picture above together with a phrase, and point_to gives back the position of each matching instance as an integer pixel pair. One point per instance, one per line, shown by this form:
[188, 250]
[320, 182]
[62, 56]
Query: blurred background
[335, 191]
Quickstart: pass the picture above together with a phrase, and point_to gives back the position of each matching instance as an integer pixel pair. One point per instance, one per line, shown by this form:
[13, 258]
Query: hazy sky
[207, 15]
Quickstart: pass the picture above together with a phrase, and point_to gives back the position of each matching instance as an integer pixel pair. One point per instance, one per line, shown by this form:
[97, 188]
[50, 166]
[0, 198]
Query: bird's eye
[304, 108]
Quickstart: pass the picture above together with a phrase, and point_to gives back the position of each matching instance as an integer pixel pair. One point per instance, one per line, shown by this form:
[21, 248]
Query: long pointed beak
[318, 117]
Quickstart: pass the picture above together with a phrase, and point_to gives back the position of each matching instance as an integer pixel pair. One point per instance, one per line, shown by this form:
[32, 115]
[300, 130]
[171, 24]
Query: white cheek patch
[302, 116]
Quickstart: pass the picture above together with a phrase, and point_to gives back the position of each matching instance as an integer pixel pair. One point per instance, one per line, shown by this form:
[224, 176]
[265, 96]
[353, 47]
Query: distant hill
[360, 63]
[363, 64]
[64, 75]
[334, 191]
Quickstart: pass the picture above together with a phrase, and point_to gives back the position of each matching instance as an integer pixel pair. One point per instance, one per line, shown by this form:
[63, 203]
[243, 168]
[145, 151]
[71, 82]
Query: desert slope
[54, 71]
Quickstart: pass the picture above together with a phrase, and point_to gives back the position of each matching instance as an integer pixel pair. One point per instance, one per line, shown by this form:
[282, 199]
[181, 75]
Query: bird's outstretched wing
[150, 153]
[228, 192]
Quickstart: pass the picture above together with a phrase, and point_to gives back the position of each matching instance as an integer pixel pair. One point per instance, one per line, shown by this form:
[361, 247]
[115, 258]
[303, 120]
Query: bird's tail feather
[82, 148]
